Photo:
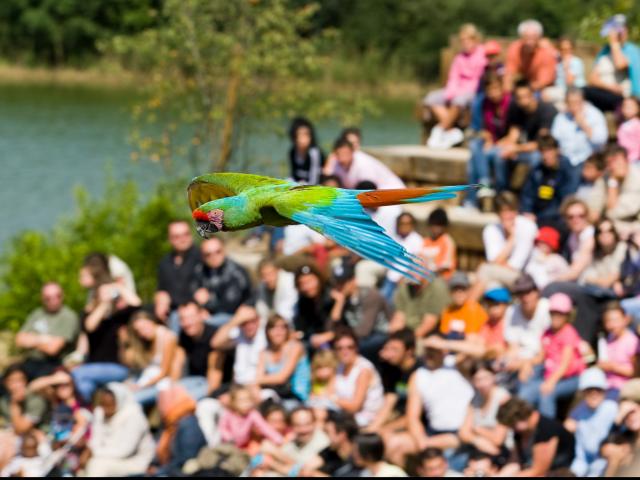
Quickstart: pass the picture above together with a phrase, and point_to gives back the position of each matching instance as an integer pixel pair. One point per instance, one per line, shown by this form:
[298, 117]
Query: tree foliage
[120, 223]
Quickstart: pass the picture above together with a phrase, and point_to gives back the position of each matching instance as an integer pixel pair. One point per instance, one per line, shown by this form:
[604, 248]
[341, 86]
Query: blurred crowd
[317, 362]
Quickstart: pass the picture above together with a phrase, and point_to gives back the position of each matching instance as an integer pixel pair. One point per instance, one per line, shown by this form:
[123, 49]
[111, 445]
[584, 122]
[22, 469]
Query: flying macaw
[225, 202]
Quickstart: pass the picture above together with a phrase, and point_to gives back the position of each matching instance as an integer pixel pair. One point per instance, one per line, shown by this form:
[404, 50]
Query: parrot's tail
[381, 198]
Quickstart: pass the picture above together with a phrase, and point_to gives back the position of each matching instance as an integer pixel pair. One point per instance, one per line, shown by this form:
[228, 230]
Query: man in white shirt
[508, 245]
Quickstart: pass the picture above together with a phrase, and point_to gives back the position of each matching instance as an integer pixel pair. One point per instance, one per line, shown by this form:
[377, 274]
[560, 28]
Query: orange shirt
[440, 254]
[471, 314]
[539, 69]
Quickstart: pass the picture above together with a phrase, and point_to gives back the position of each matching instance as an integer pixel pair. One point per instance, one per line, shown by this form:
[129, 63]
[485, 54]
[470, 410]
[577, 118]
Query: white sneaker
[436, 138]
[452, 137]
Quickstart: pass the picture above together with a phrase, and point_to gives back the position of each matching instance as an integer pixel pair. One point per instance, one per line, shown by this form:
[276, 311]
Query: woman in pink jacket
[462, 85]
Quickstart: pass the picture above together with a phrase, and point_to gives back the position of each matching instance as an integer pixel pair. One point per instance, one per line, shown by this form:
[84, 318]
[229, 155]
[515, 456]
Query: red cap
[492, 47]
[549, 236]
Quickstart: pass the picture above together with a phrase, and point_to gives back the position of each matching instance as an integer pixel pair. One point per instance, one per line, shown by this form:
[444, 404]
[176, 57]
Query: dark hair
[475, 454]
[267, 407]
[344, 331]
[100, 392]
[370, 447]
[513, 411]
[406, 336]
[342, 142]
[351, 131]
[491, 78]
[433, 358]
[522, 83]
[14, 368]
[429, 454]
[438, 218]
[598, 252]
[613, 305]
[272, 322]
[344, 423]
[636, 100]
[479, 365]
[98, 265]
[366, 185]
[301, 409]
[330, 178]
[300, 122]
[547, 142]
[309, 269]
[506, 200]
[615, 149]
[267, 262]
[597, 160]
[404, 215]
[191, 301]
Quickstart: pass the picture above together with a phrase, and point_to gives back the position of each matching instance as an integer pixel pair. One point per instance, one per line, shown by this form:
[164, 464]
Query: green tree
[220, 68]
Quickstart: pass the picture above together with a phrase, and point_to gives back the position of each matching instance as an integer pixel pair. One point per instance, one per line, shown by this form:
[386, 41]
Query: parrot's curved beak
[208, 223]
[205, 229]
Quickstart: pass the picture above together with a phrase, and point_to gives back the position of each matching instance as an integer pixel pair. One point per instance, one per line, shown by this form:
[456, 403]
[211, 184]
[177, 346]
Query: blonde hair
[471, 30]
[323, 359]
[235, 391]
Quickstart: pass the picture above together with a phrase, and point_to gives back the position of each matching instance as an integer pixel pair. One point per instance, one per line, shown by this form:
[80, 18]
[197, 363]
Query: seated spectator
[276, 292]
[221, 285]
[176, 273]
[284, 367]
[629, 286]
[617, 194]
[107, 312]
[581, 131]
[306, 159]
[462, 84]
[29, 463]
[480, 465]
[508, 244]
[433, 464]
[353, 166]
[405, 235]
[618, 359]
[481, 429]
[532, 57]
[360, 308]
[542, 444]
[182, 437]
[198, 366]
[368, 454]
[561, 358]
[581, 241]
[593, 169]
[546, 265]
[315, 303]
[629, 130]
[324, 368]
[337, 459]
[244, 334]
[525, 323]
[48, 333]
[438, 247]
[418, 306]
[548, 184]
[120, 443]
[616, 72]
[242, 419]
[20, 411]
[398, 362]
[569, 73]
[604, 272]
[620, 445]
[307, 443]
[489, 120]
[463, 315]
[148, 351]
[590, 421]
[358, 387]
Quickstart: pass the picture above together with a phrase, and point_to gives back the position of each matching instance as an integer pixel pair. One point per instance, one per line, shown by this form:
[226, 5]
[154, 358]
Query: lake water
[55, 138]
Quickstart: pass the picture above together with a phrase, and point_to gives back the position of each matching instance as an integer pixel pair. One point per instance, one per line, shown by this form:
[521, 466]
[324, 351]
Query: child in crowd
[591, 421]
[592, 170]
[242, 418]
[369, 454]
[617, 359]
[561, 359]
[438, 248]
[324, 367]
[464, 315]
[546, 265]
[629, 130]
[29, 463]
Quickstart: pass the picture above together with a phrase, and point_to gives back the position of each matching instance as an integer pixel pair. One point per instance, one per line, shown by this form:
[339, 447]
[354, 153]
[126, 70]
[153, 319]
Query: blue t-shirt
[593, 425]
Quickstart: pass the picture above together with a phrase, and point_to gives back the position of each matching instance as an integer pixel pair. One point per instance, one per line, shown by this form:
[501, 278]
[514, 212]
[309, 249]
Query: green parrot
[225, 202]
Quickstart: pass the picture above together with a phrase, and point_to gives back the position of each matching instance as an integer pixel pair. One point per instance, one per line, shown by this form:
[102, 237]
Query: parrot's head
[208, 223]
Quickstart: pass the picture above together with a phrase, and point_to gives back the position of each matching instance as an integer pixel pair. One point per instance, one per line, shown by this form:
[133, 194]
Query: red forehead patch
[200, 215]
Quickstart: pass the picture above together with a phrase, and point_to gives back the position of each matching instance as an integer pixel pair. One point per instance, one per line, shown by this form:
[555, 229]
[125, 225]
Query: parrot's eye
[206, 229]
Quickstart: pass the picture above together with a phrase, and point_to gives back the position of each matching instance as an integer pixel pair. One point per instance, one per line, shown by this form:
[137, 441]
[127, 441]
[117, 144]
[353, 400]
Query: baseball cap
[549, 236]
[593, 378]
[342, 270]
[498, 295]
[560, 303]
[631, 390]
[492, 47]
[524, 284]
[616, 23]
[459, 280]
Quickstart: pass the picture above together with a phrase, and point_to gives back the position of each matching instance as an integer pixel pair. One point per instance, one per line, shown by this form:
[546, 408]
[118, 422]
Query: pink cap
[560, 303]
